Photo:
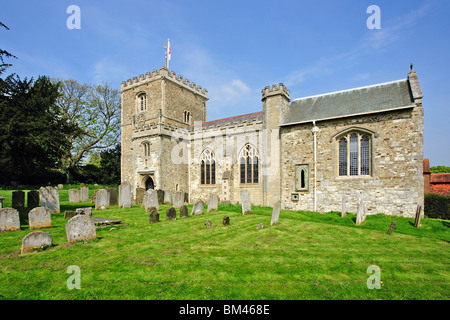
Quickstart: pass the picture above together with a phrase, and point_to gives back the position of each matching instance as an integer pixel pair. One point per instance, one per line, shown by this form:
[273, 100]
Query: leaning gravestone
[102, 199]
[245, 202]
[213, 203]
[154, 216]
[125, 195]
[69, 214]
[36, 240]
[178, 199]
[418, 216]
[49, 198]
[140, 192]
[9, 219]
[18, 199]
[150, 200]
[198, 207]
[80, 227]
[32, 199]
[171, 214]
[84, 194]
[184, 212]
[87, 211]
[226, 221]
[275, 213]
[112, 196]
[392, 227]
[208, 223]
[167, 197]
[39, 217]
[74, 195]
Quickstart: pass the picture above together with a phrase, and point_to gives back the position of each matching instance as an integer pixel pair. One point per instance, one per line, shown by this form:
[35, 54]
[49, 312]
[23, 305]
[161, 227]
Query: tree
[4, 54]
[110, 165]
[440, 169]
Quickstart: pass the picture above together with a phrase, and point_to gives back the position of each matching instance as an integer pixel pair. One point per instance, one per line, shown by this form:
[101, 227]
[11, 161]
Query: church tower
[157, 108]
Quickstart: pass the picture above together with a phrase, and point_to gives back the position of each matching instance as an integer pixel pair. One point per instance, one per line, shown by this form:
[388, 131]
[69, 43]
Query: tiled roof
[255, 116]
[440, 178]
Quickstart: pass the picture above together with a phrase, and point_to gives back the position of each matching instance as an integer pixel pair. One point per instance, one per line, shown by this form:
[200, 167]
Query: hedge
[437, 206]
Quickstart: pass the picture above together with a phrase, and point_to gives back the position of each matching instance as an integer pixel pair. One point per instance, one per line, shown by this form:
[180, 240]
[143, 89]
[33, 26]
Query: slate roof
[249, 117]
[364, 100]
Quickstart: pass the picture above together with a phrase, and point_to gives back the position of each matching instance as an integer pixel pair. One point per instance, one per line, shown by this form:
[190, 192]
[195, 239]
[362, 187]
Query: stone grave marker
[87, 211]
[260, 226]
[18, 199]
[140, 192]
[171, 214]
[1, 201]
[112, 196]
[226, 221]
[160, 194]
[184, 212]
[60, 186]
[84, 194]
[198, 207]
[167, 197]
[102, 199]
[36, 240]
[74, 195]
[32, 199]
[359, 212]
[245, 202]
[392, 227]
[154, 216]
[39, 217]
[150, 200]
[178, 199]
[418, 216]
[213, 203]
[49, 198]
[125, 195]
[208, 223]
[344, 207]
[69, 214]
[275, 213]
[80, 227]
[9, 219]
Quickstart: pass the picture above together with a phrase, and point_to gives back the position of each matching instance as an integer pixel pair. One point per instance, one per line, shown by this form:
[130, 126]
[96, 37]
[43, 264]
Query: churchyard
[218, 251]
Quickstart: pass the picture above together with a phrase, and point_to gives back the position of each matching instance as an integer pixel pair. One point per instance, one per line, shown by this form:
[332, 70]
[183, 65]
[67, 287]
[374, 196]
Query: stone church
[309, 153]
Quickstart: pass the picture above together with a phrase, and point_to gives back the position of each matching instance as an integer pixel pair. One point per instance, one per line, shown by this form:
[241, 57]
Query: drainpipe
[314, 131]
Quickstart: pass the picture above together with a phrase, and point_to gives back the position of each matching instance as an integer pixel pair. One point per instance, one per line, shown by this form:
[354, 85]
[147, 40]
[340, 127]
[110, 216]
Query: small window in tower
[142, 102]
[186, 116]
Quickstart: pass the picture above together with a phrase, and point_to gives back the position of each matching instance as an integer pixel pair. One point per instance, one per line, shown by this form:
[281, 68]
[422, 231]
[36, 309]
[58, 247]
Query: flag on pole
[168, 50]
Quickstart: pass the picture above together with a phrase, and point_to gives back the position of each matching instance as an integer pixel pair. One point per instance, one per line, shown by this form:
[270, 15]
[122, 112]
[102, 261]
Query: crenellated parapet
[275, 90]
[163, 73]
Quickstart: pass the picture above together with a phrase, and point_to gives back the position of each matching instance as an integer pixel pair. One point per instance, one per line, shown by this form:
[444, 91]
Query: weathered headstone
[392, 227]
[344, 207]
[112, 196]
[178, 199]
[60, 186]
[140, 192]
[102, 199]
[84, 194]
[32, 199]
[154, 216]
[125, 195]
[1, 201]
[9, 219]
[69, 214]
[160, 194]
[150, 200]
[167, 197]
[87, 211]
[245, 202]
[74, 195]
[171, 214]
[198, 207]
[213, 203]
[39, 217]
[226, 221]
[359, 212]
[36, 240]
[18, 199]
[260, 226]
[184, 212]
[418, 216]
[80, 227]
[208, 223]
[49, 198]
[275, 213]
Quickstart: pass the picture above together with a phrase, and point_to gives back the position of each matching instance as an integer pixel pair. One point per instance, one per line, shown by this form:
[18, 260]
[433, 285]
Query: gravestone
[178, 199]
[275, 213]
[1, 201]
[359, 212]
[49, 198]
[32, 199]
[418, 216]
[245, 202]
[150, 200]
[36, 240]
[392, 227]
[9, 219]
[226, 221]
[344, 207]
[154, 216]
[87, 211]
[260, 226]
[140, 192]
[197, 209]
[171, 214]
[69, 214]
[160, 194]
[80, 227]
[184, 212]
[112, 196]
[102, 199]
[167, 197]
[39, 217]
[18, 199]
[213, 203]
[208, 223]
[60, 186]
[125, 195]
[74, 195]
[84, 194]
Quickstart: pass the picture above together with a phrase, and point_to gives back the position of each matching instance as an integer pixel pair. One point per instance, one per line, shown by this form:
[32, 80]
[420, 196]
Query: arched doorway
[149, 184]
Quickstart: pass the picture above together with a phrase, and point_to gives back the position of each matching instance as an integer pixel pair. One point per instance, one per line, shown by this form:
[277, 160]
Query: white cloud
[232, 91]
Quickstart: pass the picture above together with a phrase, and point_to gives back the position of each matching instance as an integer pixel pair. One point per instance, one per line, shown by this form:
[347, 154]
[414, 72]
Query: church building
[309, 153]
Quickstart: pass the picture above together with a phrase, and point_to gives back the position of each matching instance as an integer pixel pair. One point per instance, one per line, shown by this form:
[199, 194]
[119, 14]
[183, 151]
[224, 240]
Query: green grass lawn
[306, 256]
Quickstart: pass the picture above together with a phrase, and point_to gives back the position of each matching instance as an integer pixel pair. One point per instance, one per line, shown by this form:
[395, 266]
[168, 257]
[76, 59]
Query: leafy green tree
[110, 165]
[4, 54]
[440, 169]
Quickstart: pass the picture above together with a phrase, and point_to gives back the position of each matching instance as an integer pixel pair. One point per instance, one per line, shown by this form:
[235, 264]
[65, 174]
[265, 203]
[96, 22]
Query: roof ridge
[241, 115]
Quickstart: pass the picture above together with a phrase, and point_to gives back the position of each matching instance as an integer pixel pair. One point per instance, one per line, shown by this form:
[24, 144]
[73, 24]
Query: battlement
[275, 90]
[163, 73]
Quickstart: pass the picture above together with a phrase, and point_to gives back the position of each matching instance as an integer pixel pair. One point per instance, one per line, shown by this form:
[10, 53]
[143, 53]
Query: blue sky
[235, 48]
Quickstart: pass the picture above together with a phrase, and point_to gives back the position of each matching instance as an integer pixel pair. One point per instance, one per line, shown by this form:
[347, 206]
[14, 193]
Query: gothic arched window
[354, 154]
[249, 164]
[207, 167]
[141, 102]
